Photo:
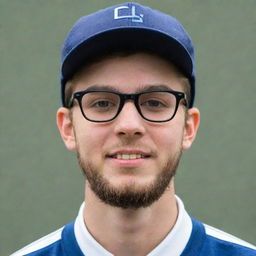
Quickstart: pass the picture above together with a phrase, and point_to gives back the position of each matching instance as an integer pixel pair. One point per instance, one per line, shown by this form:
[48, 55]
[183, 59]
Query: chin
[131, 181]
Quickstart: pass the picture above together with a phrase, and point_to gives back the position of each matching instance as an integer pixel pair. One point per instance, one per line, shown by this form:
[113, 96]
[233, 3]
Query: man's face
[129, 162]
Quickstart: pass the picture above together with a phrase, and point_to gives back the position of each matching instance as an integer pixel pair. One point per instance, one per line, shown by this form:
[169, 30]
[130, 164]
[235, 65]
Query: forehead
[128, 73]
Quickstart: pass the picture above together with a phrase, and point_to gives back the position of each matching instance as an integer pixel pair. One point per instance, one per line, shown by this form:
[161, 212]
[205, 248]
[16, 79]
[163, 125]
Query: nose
[129, 122]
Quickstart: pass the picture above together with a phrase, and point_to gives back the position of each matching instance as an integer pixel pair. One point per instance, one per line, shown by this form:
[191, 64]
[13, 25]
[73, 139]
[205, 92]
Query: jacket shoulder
[223, 243]
[49, 244]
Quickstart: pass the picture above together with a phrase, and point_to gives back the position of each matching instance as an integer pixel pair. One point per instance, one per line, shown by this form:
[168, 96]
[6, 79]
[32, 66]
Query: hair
[69, 86]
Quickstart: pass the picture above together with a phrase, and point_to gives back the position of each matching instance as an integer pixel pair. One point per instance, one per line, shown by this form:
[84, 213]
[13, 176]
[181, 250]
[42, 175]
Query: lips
[128, 155]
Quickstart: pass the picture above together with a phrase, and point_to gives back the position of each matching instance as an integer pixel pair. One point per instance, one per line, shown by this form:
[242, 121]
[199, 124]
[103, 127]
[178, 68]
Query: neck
[135, 229]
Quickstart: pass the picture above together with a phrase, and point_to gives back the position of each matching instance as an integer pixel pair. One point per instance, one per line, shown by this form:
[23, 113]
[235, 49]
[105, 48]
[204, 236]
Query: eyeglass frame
[123, 98]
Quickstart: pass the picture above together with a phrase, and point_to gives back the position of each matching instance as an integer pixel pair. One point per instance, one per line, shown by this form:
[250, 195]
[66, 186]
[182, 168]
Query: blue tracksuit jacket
[63, 243]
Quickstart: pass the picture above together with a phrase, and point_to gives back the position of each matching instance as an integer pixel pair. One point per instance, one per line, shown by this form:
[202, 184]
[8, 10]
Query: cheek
[90, 140]
[169, 139]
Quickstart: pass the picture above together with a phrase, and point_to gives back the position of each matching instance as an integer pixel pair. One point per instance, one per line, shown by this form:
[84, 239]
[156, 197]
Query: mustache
[130, 145]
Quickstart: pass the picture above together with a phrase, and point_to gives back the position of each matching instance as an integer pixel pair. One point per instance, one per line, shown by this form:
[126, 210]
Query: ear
[191, 127]
[64, 123]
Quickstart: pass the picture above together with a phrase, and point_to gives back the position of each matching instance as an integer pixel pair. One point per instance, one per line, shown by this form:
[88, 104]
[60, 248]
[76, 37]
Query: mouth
[129, 156]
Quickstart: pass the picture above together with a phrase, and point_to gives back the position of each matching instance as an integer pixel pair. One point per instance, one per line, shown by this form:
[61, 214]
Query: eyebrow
[154, 87]
[102, 87]
[140, 89]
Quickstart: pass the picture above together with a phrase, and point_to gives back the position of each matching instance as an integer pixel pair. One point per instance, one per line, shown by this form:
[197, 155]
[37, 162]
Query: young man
[128, 86]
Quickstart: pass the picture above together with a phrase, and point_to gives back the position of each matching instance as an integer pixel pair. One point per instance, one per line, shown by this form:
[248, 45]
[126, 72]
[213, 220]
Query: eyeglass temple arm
[69, 104]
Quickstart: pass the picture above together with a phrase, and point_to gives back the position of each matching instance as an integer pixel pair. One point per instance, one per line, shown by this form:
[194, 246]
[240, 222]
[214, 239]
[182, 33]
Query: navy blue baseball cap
[127, 26]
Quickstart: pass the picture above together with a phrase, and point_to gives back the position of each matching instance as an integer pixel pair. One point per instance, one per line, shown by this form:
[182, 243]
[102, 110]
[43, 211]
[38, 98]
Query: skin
[133, 231]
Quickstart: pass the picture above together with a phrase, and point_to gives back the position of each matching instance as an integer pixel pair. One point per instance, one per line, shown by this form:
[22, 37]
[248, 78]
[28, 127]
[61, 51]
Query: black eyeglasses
[104, 105]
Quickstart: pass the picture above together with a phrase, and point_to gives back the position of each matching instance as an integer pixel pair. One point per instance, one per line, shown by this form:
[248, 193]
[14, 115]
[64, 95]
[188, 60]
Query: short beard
[130, 197]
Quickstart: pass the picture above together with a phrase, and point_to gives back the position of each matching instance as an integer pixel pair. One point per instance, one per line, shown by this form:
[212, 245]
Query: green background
[41, 186]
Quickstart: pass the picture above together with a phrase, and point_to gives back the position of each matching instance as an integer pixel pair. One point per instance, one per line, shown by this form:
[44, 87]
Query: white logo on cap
[133, 16]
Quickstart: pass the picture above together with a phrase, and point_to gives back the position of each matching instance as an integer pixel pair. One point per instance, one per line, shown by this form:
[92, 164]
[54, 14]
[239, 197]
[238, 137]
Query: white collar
[173, 244]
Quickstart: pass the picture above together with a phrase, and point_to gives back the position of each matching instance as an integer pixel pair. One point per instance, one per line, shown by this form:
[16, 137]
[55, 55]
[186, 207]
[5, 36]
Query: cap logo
[128, 14]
